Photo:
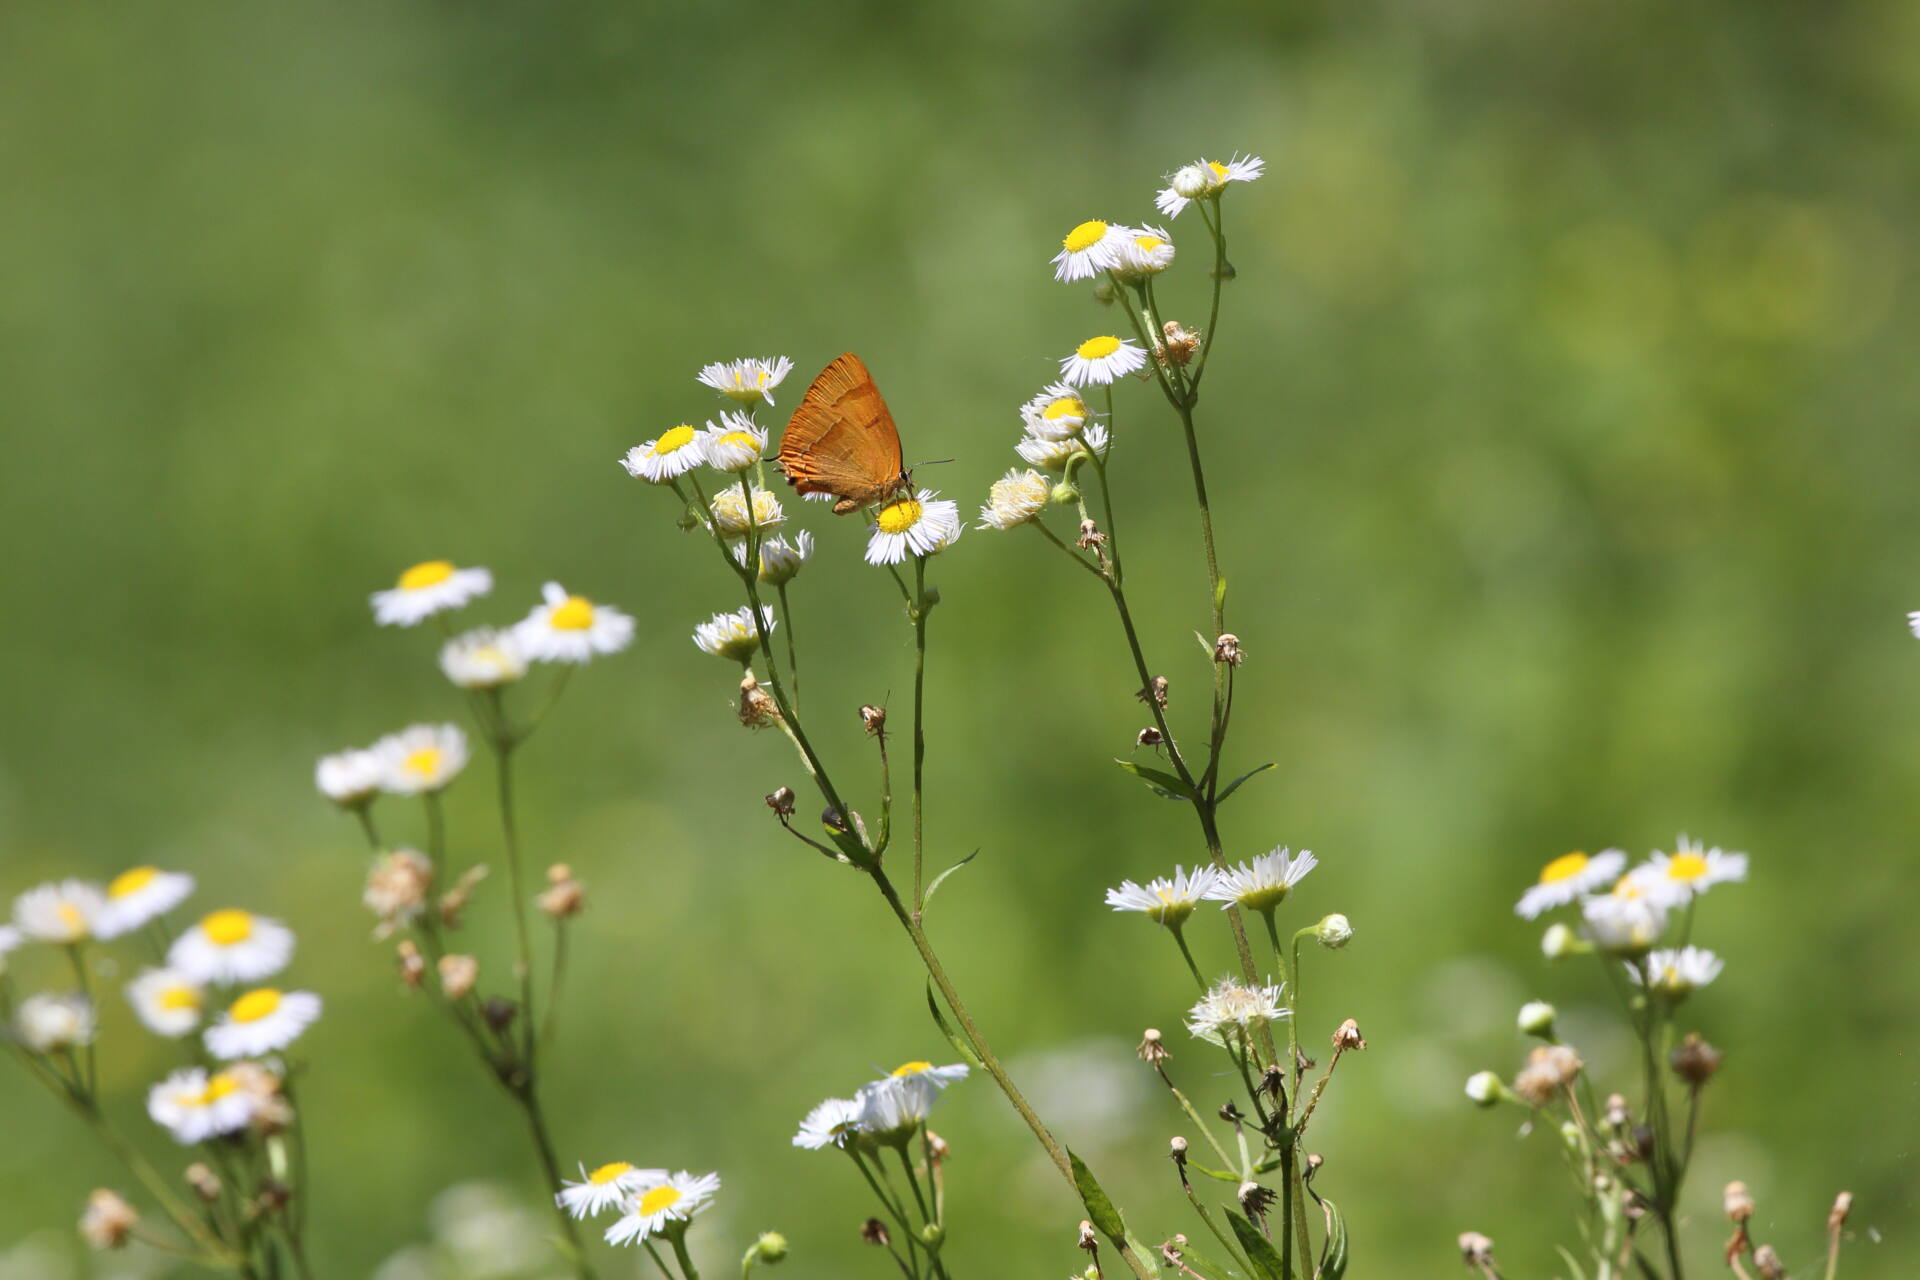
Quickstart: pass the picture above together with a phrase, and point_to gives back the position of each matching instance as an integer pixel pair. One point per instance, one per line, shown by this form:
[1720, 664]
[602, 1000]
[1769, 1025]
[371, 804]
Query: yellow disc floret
[1564, 867]
[678, 438]
[224, 928]
[575, 613]
[132, 881]
[1084, 236]
[898, 517]
[1099, 348]
[259, 1003]
[660, 1199]
[428, 573]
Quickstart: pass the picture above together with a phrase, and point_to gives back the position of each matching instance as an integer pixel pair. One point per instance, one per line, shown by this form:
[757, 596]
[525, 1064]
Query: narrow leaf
[1220, 594]
[1100, 1210]
[1333, 1258]
[1260, 1251]
[1159, 781]
[941, 878]
[1206, 1265]
[960, 1046]
[1148, 1258]
[1234, 786]
[1221, 1174]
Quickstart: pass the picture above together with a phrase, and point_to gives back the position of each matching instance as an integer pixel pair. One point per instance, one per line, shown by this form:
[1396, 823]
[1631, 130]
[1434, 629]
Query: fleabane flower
[230, 946]
[735, 444]
[483, 659]
[663, 1207]
[1691, 869]
[61, 912]
[1166, 901]
[1624, 923]
[52, 1023]
[894, 1106]
[917, 526]
[732, 635]
[570, 628]
[747, 380]
[1205, 180]
[1053, 455]
[261, 1021]
[834, 1123]
[605, 1187]
[730, 511]
[1086, 251]
[193, 1105]
[1229, 1004]
[1566, 878]
[1675, 974]
[1913, 623]
[1143, 252]
[430, 587]
[1057, 413]
[349, 778]
[1264, 883]
[1015, 498]
[11, 939]
[1101, 360]
[167, 1001]
[671, 454]
[780, 560]
[421, 758]
[138, 895]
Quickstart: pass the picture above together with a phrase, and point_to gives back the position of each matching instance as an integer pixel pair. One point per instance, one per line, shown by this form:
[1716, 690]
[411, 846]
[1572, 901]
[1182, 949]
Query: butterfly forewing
[841, 439]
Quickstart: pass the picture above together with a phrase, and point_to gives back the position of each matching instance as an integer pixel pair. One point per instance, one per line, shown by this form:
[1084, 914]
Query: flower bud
[1560, 941]
[1191, 182]
[1104, 291]
[770, 1247]
[1334, 932]
[1842, 1206]
[1738, 1201]
[1177, 1149]
[1486, 1089]
[1064, 494]
[108, 1221]
[1475, 1249]
[563, 896]
[413, 966]
[457, 975]
[1768, 1263]
[1536, 1019]
[933, 1233]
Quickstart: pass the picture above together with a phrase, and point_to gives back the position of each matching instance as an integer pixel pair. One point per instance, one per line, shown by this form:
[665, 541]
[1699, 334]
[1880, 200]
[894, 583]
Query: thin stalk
[1186, 953]
[679, 1242]
[793, 653]
[543, 1142]
[919, 613]
[523, 936]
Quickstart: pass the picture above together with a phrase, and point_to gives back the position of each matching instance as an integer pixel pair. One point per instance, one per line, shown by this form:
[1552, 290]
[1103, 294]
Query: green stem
[679, 1242]
[1186, 953]
[543, 1143]
[793, 653]
[516, 882]
[919, 613]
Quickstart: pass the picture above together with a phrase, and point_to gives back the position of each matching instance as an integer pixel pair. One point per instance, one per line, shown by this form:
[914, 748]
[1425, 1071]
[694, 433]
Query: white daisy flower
[11, 939]
[736, 444]
[60, 912]
[747, 380]
[730, 511]
[570, 628]
[421, 758]
[897, 1104]
[1015, 498]
[1691, 869]
[168, 1002]
[1101, 360]
[670, 454]
[1057, 413]
[1263, 884]
[1166, 901]
[917, 526]
[1203, 180]
[780, 560]
[732, 635]
[349, 778]
[194, 1106]
[430, 587]
[833, 1123]
[1229, 1004]
[261, 1021]
[231, 946]
[1143, 252]
[1624, 924]
[137, 896]
[1913, 623]
[51, 1023]
[661, 1207]
[1568, 877]
[605, 1187]
[1052, 455]
[1675, 974]
[483, 659]
[1086, 251]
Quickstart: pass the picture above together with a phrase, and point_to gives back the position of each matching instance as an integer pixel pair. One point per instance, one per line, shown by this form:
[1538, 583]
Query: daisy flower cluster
[1626, 912]
[650, 1204]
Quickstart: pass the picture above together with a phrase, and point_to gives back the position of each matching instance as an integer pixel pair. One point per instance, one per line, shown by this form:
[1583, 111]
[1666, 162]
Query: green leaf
[1100, 1210]
[1159, 781]
[1221, 1174]
[941, 878]
[1234, 786]
[960, 1046]
[1206, 1265]
[1220, 594]
[1573, 1266]
[1259, 1250]
[1333, 1258]
[1148, 1258]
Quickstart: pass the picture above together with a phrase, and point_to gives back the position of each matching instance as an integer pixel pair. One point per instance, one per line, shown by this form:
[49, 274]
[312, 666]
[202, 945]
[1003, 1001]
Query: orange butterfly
[842, 441]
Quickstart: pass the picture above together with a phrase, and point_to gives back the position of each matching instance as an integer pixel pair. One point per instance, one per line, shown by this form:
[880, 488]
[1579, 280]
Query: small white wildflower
[916, 526]
[431, 587]
[747, 380]
[1015, 498]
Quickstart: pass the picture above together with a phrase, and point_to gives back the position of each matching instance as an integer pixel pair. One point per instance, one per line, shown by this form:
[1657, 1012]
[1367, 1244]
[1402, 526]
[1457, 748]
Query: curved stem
[919, 727]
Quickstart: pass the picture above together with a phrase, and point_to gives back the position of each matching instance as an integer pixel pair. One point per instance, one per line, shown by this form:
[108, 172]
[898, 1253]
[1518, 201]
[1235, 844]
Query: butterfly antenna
[934, 463]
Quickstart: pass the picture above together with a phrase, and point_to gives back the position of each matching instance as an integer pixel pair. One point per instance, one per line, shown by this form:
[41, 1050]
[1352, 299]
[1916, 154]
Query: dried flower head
[1617, 1116]
[1178, 345]
[397, 888]
[1226, 648]
[1090, 536]
[1550, 1068]
[458, 974]
[413, 966]
[1768, 1263]
[109, 1221]
[454, 900]
[1694, 1060]
[780, 800]
[757, 709]
[1476, 1250]
[1255, 1200]
[1738, 1201]
[563, 897]
[204, 1182]
[1088, 1242]
[937, 1148]
[873, 719]
[1842, 1206]
[1153, 1049]
[1149, 737]
[1348, 1036]
[873, 1231]
[1155, 692]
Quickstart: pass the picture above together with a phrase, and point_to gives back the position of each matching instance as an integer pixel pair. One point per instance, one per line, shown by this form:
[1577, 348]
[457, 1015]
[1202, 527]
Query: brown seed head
[874, 1231]
[108, 1220]
[757, 708]
[413, 967]
[1738, 1201]
[1694, 1060]
[1090, 536]
[1153, 1048]
[781, 802]
[1475, 1249]
[1149, 737]
[1179, 345]
[873, 719]
[1348, 1036]
[1155, 692]
[1227, 649]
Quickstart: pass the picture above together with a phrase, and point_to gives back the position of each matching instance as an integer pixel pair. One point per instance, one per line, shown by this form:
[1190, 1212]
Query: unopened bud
[932, 1233]
[1768, 1263]
[1149, 737]
[1227, 649]
[1475, 1249]
[1560, 941]
[770, 1247]
[204, 1182]
[1536, 1019]
[413, 966]
[1486, 1089]
[1334, 931]
[1314, 1161]
[563, 897]
[874, 1231]
[1842, 1206]
[499, 1012]
[781, 802]
[1177, 1149]
[1617, 1116]
[1153, 1048]
[1105, 291]
[108, 1220]
[1064, 493]
[873, 719]
[457, 975]
[1694, 1060]
[1738, 1201]
[1348, 1036]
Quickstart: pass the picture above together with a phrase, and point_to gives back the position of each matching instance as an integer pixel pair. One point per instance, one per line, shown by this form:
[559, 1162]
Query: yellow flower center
[575, 613]
[1148, 244]
[739, 439]
[898, 517]
[1564, 867]
[1219, 170]
[255, 1005]
[608, 1172]
[660, 1199]
[70, 916]
[224, 928]
[911, 1068]
[678, 438]
[1099, 348]
[218, 1087]
[1686, 866]
[177, 998]
[1065, 407]
[131, 881]
[429, 573]
[1627, 889]
[1084, 236]
[424, 762]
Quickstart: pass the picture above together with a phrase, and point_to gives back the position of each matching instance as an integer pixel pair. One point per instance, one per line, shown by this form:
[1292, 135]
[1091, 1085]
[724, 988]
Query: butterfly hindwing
[841, 439]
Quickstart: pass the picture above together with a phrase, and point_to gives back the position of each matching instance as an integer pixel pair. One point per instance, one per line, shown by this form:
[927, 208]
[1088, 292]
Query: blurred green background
[1561, 429]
